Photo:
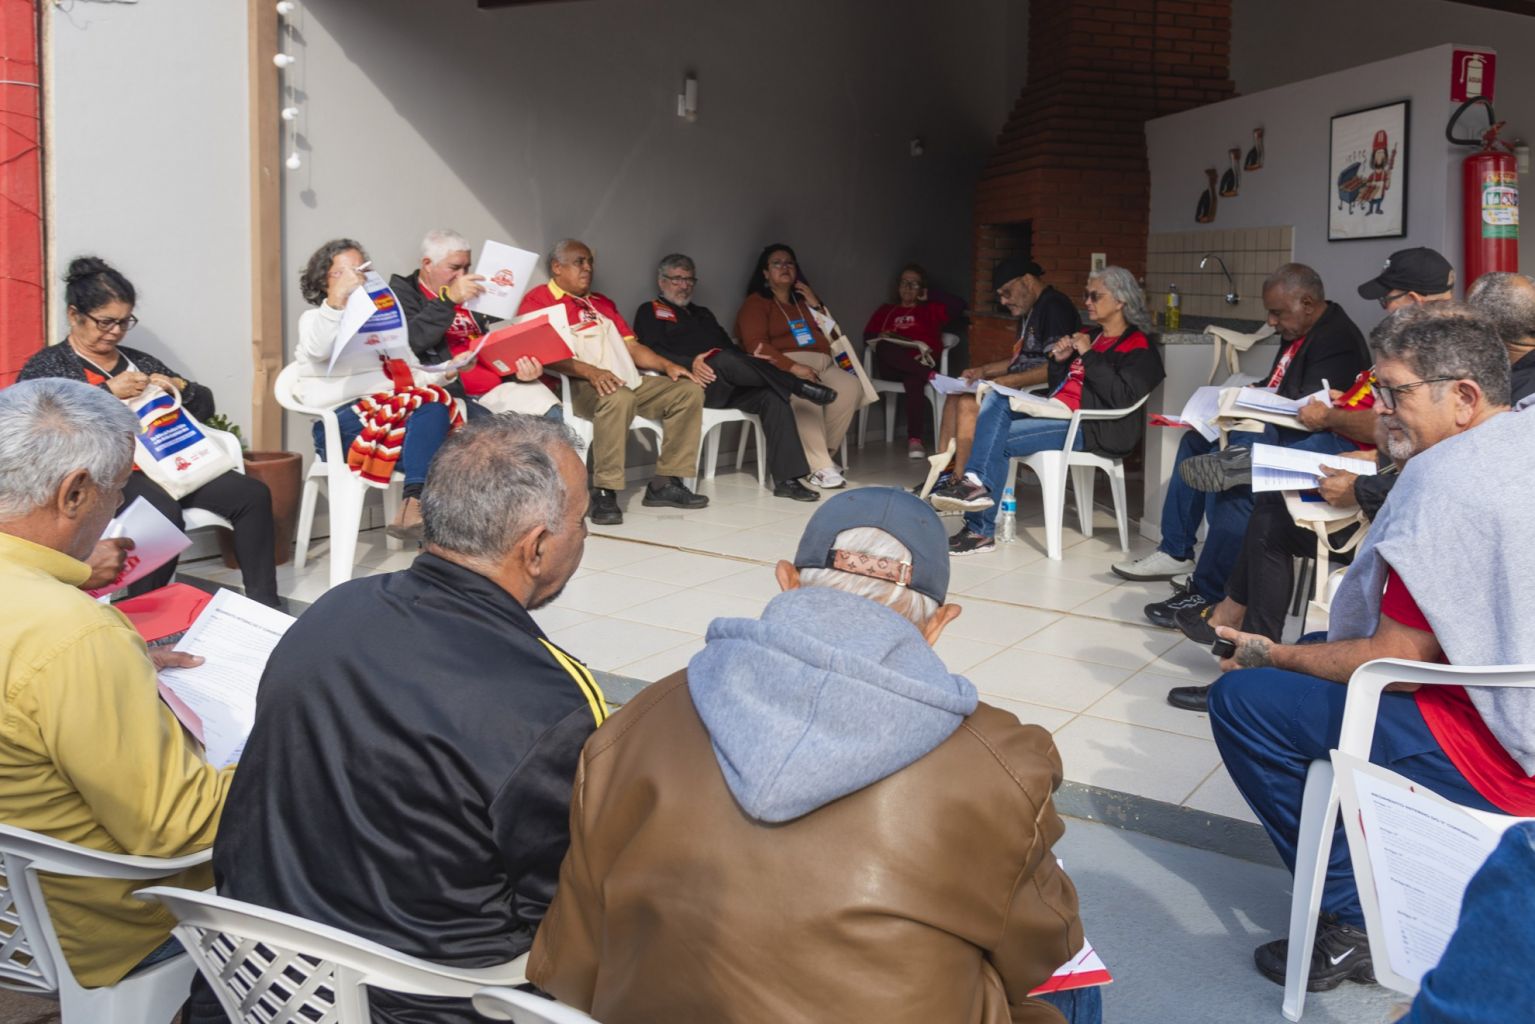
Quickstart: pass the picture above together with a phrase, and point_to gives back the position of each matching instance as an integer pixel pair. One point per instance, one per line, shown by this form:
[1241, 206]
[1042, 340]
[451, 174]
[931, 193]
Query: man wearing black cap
[1048, 316]
[815, 812]
[1411, 276]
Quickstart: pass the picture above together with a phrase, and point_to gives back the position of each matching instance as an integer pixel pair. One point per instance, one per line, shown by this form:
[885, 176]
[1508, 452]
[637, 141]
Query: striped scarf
[376, 449]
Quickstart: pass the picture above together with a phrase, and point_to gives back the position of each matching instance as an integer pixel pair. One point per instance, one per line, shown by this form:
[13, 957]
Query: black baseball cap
[899, 513]
[1013, 266]
[1420, 270]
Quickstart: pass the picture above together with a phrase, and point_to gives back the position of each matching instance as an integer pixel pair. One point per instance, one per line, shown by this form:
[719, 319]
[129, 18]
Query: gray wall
[1293, 188]
[151, 171]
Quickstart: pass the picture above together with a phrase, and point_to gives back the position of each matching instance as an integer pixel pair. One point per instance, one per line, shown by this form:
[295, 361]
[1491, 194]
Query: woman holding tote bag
[100, 314]
[782, 321]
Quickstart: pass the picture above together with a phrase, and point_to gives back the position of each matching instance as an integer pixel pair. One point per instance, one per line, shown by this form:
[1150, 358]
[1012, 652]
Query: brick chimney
[1068, 176]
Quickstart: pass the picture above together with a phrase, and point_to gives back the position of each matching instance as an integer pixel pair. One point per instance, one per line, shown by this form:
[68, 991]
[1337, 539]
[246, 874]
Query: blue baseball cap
[899, 513]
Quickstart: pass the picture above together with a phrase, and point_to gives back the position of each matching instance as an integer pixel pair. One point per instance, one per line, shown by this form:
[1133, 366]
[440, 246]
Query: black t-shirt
[680, 333]
[1052, 318]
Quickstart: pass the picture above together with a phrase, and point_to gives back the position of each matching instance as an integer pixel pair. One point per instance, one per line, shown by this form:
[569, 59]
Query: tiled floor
[1062, 643]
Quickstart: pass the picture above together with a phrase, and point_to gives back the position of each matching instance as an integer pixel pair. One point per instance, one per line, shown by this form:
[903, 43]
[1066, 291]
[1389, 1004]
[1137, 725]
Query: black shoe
[1218, 471]
[1341, 953]
[1190, 698]
[966, 543]
[814, 391]
[1161, 613]
[1196, 624]
[961, 496]
[796, 490]
[672, 494]
[604, 510]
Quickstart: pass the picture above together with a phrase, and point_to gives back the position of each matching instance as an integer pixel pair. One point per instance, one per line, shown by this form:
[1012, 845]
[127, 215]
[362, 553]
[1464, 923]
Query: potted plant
[283, 473]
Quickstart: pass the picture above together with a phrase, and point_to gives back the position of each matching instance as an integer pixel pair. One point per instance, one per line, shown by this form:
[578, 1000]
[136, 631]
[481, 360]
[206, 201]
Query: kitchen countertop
[1192, 330]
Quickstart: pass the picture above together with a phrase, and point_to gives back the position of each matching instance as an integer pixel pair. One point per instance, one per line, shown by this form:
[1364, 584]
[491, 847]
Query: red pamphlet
[535, 337]
[165, 611]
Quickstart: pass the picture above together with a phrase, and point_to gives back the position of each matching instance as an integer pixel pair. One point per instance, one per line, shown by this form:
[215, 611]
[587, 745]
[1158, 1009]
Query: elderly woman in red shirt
[908, 335]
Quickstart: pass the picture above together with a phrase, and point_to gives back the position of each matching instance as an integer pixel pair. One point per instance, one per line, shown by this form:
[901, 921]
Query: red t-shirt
[580, 310]
[1070, 391]
[922, 322]
[1457, 726]
[460, 337]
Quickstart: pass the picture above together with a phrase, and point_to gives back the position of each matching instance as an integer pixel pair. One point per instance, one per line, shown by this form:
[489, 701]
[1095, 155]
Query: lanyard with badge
[803, 337]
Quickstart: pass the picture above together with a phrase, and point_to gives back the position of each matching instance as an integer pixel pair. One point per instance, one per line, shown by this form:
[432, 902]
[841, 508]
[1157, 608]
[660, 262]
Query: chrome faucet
[1231, 295]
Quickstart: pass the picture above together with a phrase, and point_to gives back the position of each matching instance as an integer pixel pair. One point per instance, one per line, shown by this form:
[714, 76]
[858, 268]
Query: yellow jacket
[89, 754]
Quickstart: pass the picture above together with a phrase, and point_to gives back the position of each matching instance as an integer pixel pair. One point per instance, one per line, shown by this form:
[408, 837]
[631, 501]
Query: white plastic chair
[586, 430]
[526, 1008]
[889, 389]
[709, 442]
[344, 490]
[201, 518]
[1319, 807]
[1051, 467]
[267, 967]
[30, 958]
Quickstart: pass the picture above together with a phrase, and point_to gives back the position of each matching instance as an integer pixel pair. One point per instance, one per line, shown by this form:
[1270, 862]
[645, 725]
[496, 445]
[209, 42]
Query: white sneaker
[914, 449]
[827, 479]
[1156, 566]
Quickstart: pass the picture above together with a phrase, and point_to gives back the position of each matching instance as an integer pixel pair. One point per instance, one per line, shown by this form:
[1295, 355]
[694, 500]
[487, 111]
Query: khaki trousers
[678, 404]
[822, 427]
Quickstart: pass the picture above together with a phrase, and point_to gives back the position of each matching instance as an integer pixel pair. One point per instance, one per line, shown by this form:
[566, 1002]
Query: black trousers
[757, 386]
[244, 502]
[1264, 576]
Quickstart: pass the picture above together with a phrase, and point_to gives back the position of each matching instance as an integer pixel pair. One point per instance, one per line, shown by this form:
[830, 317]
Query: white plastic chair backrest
[526, 1008]
[1097, 414]
[267, 967]
[1365, 685]
[30, 958]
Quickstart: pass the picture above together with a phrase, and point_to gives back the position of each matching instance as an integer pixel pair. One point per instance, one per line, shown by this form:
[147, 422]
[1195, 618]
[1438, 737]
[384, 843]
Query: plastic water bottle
[1007, 518]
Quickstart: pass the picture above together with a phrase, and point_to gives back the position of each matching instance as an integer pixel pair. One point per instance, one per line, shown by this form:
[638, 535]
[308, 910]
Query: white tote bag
[172, 448]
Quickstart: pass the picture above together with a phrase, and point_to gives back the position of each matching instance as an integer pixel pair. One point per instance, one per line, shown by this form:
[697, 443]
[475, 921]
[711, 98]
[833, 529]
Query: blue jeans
[1226, 511]
[171, 947]
[1270, 724]
[425, 431]
[1079, 1005]
[1000, 435]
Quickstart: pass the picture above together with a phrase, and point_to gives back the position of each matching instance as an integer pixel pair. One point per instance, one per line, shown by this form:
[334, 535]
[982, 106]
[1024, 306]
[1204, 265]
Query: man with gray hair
[688, 334]
[421, 722]
[1508, 300]
[826, 812]
[88, 752]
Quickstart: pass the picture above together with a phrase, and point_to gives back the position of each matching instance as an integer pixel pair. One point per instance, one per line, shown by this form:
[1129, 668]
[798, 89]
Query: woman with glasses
[100, 314]
[1112, 366]
[777, 322]
[908, 339]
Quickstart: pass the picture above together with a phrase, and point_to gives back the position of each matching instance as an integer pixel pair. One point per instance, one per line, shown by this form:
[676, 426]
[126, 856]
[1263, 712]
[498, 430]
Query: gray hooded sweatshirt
[823, 695]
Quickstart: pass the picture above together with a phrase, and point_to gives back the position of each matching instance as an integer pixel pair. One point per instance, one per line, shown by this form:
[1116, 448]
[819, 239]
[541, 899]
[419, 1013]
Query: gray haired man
[423, 723]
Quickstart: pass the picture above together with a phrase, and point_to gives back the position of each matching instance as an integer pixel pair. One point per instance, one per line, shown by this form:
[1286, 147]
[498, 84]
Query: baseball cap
[1420, 270]
[1014, 266]
[899, 513]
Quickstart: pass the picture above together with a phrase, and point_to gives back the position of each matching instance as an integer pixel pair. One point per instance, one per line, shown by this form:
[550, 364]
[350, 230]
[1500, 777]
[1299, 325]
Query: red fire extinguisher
[1490, 207]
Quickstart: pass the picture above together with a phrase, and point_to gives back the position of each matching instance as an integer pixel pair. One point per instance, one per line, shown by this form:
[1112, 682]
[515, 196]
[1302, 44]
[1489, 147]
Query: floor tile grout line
[1219, 766]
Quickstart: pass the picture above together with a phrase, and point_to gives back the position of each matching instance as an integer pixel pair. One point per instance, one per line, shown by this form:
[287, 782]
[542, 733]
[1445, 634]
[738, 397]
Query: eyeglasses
[1388, 392]
[1390, 297]
[107, 323]
[782, 264]
[910, 284]
[680, 279]
[1094, 296]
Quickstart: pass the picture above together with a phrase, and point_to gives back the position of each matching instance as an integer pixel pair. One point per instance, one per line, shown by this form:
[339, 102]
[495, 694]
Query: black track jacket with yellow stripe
[409, 775]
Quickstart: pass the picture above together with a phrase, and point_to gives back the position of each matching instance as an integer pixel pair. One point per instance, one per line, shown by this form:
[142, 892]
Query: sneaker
[961, 496]
[604, 510]
[914, 449]
[1180, 582]
[1190, 698]
[1218, 471]
[796, 490]
[828, 479]
[671, 493]
[966, 543]
[1341, 953]
[1196, 624]
[1161, 613]
[944, 480]
[407, 523]
[1156, 566]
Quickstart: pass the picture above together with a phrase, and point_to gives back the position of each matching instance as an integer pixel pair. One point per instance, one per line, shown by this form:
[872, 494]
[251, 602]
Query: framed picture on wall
[1367, 174]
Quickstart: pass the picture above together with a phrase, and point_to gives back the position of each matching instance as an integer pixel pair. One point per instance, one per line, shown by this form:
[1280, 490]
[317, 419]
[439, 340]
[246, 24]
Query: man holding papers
[606, 387]
[1443, 576]
[88, 753]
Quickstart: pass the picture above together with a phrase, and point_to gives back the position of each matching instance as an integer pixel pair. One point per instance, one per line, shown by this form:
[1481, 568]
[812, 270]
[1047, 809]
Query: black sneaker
[1196, 624]
[604, 510]
[1218, 471]
[966, 543]
[1190, 698]
[1161, 613]
[945, 479]
[796, 490]
[1341, 953]
[961, 496]
[671, 494]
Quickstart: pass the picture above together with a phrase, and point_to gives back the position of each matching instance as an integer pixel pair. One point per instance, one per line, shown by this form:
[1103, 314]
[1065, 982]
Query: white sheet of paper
[372, 324]
[1289, 469]
[236, 636]
[155, 542]
[953, 385]
[1266, 401]
[507, 271]
[1201, 409]
[1422, 851]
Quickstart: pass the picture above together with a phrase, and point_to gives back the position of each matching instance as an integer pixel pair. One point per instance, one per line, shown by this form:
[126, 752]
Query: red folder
[168, 610]
[534, 338]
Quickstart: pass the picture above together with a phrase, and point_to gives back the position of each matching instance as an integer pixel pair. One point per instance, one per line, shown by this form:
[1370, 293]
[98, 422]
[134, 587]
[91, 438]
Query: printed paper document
[507, 271]
[1290, 469]
[953, 385]
[236, 636]
[155, 542]
[1201, 409]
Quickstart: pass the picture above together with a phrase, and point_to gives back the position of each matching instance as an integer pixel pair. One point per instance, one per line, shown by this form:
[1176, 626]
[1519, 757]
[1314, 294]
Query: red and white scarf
[376, 449]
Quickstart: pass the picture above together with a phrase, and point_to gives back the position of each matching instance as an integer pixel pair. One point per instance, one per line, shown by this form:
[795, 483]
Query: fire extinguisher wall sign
[1473, 73]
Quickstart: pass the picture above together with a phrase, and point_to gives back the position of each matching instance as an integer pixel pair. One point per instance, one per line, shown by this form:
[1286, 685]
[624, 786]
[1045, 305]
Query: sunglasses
[1388, 393]
[1387, 299]
[1094, 296]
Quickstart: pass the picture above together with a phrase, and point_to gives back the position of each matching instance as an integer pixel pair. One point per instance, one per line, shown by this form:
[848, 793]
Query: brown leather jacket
[928, 897]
